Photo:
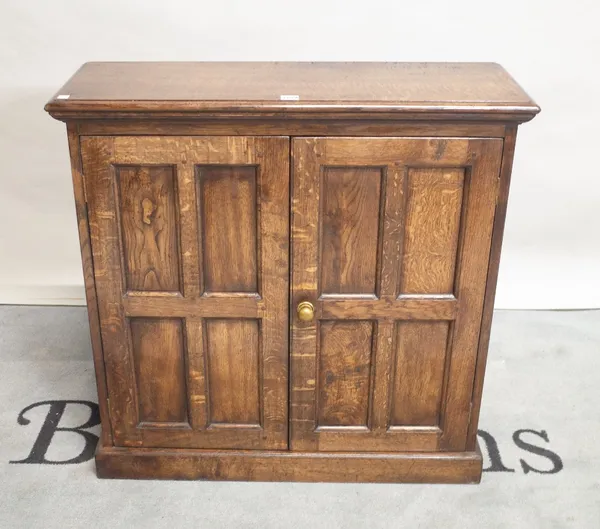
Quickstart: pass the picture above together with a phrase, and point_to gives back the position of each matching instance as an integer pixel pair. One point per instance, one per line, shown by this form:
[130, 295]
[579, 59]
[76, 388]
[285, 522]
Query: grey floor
[540, 406]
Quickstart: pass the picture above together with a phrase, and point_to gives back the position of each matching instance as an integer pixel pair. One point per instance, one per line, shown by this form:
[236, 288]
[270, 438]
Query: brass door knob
[306, 311]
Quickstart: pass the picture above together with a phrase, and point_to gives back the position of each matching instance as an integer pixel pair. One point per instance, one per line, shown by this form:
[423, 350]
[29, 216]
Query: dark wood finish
[157, 348]
[87, 263]
[144, 360]
[425, 467]
[232, 348]
[418, 90]
[400, 180]
[416, 388]
[349, 195]
[285, 125]
[146, 209]
[228, 230]
[344, 373]
[492, 279]
[433, 201]
[410, 194]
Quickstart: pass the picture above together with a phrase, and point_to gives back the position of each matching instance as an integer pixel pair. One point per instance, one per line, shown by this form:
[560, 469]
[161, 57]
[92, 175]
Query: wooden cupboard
[290, 267]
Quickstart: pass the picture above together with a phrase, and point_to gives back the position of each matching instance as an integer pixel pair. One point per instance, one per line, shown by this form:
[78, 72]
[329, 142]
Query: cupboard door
[190, 246]
[390, 244]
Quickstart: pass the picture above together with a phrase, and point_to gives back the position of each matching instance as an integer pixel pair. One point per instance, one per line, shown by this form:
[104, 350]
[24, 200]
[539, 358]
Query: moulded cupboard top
[324, 89]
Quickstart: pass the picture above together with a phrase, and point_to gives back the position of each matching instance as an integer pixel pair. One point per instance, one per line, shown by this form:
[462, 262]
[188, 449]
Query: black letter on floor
[538, 450]
[493, 453]
[44, 438]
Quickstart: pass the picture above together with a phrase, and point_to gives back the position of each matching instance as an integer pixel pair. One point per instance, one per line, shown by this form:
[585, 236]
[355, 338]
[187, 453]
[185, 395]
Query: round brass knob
[306, 311]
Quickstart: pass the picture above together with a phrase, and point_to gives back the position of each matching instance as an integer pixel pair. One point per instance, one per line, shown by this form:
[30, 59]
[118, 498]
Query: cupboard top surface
[407, 89]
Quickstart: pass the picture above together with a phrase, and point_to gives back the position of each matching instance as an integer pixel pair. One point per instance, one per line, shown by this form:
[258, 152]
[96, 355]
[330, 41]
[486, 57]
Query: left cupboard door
[190, 241]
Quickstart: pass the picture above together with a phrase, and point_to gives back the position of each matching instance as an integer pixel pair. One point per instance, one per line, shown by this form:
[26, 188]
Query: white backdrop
[551, 253]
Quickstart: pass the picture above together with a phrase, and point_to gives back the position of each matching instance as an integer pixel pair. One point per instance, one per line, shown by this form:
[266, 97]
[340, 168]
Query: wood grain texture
[105, 236]
[232, 351]
[192, 284]
[267, 427]
[433, 211]
[349, 217]
[87, 263]
[485, 157]
[492, 279]
[228, 213]
[344, 373]
[285, 125]
[417, 308]
[306, 197]
[183, 224]
[416, 89]
[157, 347]
[148, 218]
[197, 377]
[420, 354]
[424, 467]
[421, 215]
[205, 307]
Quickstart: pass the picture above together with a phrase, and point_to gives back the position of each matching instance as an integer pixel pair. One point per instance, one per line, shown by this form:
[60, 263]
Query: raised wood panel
[232, 350]
[434, 207]
[433, 210]
[344, 373]
[228, 213]
[148, 218]
[232, 345]
[420, 353]
[351, 198]
[158, 355]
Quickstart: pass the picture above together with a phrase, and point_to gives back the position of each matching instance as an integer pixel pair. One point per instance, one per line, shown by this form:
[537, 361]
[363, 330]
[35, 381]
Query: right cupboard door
[390, 247]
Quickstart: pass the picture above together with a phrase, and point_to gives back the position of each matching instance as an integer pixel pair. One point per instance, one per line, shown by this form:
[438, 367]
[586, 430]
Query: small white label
[63, 96]
[289, 98]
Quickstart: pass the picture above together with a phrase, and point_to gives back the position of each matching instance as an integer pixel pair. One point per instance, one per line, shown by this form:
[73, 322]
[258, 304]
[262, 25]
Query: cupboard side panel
[492, 279]
[87, 262]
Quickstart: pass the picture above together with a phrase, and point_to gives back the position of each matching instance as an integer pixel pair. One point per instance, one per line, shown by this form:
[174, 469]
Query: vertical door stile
[305, 239]
[393, 226]
[485, 157]
[192, 287]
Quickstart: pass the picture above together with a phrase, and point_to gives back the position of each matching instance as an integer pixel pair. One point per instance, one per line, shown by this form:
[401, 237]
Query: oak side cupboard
[290, 268]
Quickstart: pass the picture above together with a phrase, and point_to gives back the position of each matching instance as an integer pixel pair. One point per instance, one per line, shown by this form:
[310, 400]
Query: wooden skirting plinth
[247, 465]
